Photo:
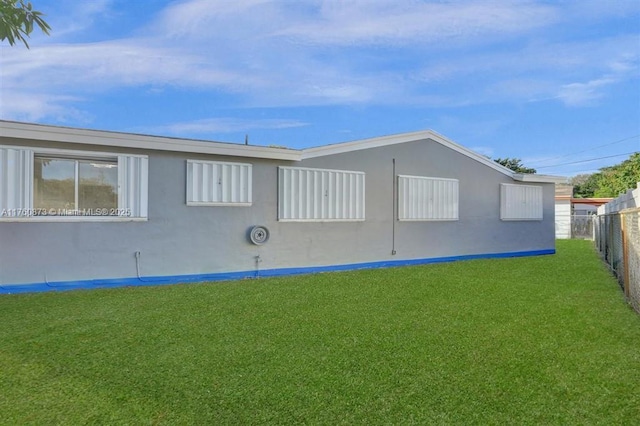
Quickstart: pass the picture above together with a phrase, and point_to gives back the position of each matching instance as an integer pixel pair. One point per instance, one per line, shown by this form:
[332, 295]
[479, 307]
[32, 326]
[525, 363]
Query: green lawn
[532, 340]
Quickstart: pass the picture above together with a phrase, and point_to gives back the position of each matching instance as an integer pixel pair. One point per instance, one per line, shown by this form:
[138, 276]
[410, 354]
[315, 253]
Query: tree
[17, 19]
[617, 179]
[514, 164]
[580, 179]
[584, 185]
[610, 181]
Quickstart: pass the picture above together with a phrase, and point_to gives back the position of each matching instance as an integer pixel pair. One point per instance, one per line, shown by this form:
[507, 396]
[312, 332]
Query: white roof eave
[12, 129]
[535, 178]
[128, 140]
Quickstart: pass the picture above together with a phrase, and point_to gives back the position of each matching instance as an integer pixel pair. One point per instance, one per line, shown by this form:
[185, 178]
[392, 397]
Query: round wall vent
[259, 235]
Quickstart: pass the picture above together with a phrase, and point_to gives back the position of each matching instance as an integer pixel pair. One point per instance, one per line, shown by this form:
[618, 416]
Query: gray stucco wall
[182, 240]
[479, 229]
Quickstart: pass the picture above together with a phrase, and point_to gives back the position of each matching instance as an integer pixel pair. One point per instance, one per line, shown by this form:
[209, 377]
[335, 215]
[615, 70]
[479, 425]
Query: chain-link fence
[582, 226]
[617, 238]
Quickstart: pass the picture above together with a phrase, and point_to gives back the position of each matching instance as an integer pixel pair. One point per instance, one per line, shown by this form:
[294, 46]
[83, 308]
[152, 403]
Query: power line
[586, 161]
[585, 150]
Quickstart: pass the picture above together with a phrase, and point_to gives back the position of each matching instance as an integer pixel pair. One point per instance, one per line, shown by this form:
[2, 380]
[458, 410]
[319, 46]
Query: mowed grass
[537, 340]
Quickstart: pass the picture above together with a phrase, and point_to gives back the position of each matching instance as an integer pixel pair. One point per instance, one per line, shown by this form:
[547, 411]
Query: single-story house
[85, 208]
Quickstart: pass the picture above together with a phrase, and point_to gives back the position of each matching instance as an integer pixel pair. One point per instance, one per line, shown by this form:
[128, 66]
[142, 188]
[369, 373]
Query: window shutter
[133, 172]
[320, 195]
[426, 198]
[16, 179]
[520, 202]
[218, 183]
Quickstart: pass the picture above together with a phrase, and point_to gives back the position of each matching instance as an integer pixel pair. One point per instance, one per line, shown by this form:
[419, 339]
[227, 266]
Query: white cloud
[78, 16]
[102, 65]
[319, 52]
[598, 9]
[25, 106]
[395, 22]
[579, 94]
[585, 94]
[537, 71]
[226, 125]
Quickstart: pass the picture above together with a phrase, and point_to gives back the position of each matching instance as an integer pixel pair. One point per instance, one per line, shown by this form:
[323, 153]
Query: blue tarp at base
[227, 276]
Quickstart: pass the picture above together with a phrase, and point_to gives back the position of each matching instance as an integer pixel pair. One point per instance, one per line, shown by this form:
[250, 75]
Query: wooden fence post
[625, 254]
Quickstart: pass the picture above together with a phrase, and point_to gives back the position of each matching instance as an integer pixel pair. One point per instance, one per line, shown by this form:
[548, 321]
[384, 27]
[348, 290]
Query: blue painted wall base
[227, 276]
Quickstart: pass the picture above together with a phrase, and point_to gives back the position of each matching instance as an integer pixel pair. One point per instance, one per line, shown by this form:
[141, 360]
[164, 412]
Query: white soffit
[11, 129]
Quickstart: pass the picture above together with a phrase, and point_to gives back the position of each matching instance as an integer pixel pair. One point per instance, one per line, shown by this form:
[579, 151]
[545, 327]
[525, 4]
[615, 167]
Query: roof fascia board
[344, 147]
[590, 200]
[43, 132]
[534, 178]
[471, 154]
[130, 140]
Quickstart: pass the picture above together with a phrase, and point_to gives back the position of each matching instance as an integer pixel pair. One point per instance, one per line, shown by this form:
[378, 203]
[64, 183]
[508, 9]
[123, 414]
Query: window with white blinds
[43, 184]
[212, 183]
[520, 202]
[320, 195]
[427, 198]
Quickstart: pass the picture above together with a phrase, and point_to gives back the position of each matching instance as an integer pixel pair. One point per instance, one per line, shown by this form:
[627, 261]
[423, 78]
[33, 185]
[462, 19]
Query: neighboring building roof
[591, 201]
[43, 132]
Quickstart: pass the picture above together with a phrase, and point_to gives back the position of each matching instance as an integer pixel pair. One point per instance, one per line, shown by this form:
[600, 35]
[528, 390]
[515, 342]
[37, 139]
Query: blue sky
[555, 83]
